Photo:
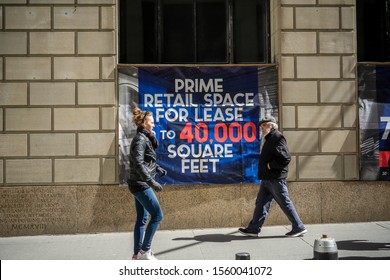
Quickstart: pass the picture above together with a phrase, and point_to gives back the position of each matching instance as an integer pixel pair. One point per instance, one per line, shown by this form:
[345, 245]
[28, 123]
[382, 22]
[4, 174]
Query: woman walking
[143, 169]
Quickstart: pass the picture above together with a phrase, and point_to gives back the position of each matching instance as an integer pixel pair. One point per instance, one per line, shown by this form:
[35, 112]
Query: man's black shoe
[296, 233]
[248, 232]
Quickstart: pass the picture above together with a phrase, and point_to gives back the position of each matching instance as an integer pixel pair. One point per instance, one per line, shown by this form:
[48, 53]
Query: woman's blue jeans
[146, 203]
[269, 190]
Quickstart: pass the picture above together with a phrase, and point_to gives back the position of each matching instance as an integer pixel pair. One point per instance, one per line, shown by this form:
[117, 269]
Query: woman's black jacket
[143, 162]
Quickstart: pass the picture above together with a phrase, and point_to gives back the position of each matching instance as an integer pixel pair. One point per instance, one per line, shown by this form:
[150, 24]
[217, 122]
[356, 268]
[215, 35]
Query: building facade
[59, 126]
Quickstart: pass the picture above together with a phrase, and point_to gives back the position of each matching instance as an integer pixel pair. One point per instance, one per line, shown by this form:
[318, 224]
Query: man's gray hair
[269, 121]
[273, 124]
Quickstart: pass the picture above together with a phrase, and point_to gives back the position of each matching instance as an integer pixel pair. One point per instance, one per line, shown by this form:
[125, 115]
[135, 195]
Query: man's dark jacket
[274, 152]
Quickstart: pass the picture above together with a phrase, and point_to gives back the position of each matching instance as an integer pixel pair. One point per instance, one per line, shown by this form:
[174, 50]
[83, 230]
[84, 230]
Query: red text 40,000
[235, 132]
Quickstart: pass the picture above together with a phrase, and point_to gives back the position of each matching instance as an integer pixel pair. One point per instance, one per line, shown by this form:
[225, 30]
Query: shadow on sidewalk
[198, 239]
[364, 258]
[362, 245]
[224, 237]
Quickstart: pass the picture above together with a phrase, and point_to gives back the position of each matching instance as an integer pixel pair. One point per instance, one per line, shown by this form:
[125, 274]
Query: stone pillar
[314, 43]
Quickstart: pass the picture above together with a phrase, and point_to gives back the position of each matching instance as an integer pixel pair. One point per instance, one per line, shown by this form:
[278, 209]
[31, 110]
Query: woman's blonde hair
[139, 116]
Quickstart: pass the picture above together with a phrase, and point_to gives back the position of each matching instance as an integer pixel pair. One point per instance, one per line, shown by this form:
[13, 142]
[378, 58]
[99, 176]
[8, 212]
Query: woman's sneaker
[146, 255]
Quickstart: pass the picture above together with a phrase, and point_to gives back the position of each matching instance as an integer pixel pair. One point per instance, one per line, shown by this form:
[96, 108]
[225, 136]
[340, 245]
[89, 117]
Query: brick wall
[316, 50]
[57, 92]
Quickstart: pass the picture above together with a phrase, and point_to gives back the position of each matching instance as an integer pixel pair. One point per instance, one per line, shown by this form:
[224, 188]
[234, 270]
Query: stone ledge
[39, 210]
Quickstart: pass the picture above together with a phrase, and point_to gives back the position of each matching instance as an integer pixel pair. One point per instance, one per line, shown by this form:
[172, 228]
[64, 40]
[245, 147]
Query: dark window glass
[212, 26]
[193, 31]
[138, 31]
[149, 24]
[250, 31]
[178, 31]
[373, 30]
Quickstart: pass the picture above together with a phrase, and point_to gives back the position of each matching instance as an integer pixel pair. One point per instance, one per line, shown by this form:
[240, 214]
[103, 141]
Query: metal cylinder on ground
[243, 256]
[325, 248]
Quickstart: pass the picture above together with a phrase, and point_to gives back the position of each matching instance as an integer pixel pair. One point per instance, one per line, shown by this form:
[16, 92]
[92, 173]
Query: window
[373, 30]
[194, 31]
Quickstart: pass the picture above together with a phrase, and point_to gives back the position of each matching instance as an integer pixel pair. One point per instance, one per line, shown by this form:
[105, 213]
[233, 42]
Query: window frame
[373, 45]
[230, 36]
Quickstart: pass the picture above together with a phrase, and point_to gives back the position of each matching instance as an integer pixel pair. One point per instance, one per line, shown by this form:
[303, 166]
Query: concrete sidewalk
[354, 241]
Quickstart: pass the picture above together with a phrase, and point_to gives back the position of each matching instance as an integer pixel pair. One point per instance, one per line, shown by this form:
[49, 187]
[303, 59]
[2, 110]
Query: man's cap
[267, 120]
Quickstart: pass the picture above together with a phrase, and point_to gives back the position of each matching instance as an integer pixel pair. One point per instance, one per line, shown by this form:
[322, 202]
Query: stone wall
[37, 210]
[58, 102]
[57, 92]
[58, 126]
[315, 47]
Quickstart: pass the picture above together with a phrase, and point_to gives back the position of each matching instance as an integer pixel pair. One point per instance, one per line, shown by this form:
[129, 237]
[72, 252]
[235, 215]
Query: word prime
[199, 85]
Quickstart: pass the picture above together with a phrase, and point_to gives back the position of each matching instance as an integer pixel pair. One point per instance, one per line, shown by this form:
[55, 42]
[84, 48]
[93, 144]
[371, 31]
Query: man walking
[273, 170]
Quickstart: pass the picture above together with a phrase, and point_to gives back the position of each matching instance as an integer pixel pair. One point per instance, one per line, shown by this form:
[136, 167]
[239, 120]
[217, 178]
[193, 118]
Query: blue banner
[206, 119]
[374, 116]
